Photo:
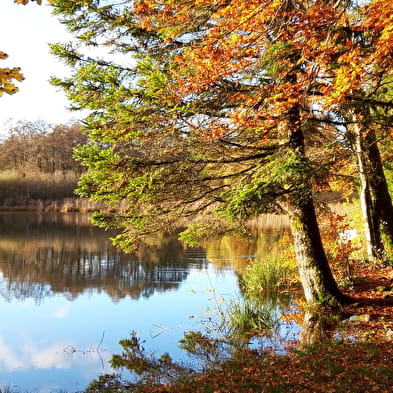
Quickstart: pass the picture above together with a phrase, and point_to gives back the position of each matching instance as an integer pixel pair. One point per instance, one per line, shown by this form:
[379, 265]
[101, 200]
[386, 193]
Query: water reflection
[62, 285]
[317, 327]
[41, 255]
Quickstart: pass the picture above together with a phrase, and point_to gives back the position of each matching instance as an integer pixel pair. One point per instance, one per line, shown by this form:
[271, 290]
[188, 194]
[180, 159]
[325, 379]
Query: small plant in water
[249, 317]
[270, 274]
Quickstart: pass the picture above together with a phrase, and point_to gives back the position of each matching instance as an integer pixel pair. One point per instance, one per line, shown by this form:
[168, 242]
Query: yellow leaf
[235, 38]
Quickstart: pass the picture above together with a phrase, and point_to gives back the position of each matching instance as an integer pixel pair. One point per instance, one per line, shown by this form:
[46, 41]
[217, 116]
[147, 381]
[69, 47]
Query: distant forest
[37, 166]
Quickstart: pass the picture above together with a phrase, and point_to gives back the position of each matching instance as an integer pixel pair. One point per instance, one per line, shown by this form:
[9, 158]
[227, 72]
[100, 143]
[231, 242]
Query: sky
[25, 32]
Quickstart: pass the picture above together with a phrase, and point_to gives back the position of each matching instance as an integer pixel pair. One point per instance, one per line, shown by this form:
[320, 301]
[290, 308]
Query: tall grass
[275, 223]
[269, 274]
[250, 317]
[43, 192]
[17, 189]
[264, 284]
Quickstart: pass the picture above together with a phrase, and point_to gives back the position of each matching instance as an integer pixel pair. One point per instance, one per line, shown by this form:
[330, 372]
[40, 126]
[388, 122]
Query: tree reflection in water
[63, 255]
[55, 253]
[208, 352]
[44, 255]
[317, 327]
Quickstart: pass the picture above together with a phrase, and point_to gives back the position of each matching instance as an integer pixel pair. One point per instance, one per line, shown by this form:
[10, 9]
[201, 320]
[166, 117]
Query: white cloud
[27, 354]
[52, 356]
[9, 359]
[31, 355]
[60, 312]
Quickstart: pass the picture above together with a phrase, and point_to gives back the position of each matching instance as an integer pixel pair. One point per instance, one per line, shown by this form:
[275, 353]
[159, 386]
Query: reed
[250, 317]
[270, 274]
[270, 223]
[43, 192]
[17, 189]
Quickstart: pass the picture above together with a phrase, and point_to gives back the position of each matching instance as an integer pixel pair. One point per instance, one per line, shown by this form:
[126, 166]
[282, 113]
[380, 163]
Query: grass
[42, 192]
[268, 274]
[328, 366]
[17, 189]
[249, 317]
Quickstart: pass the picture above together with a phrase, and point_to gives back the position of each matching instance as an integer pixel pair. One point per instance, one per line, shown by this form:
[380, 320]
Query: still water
[67, 297]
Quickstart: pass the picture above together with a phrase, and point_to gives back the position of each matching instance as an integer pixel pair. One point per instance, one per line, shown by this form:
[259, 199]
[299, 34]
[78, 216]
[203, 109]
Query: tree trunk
[316, 277]
[370, 209]
[383, 200]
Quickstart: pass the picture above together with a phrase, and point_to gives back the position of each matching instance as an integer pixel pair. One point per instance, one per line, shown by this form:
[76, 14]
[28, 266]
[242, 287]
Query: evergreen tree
[199, 112]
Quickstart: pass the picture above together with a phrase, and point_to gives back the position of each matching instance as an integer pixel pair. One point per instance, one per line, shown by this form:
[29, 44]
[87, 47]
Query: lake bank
[353, 354]
[42, 195]
[63, 205]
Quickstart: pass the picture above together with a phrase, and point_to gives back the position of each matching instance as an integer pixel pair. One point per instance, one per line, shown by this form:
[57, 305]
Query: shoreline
[65, 205]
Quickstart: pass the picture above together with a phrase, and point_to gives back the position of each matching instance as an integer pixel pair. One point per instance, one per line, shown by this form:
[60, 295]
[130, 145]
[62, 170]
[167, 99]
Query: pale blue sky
[25, 32]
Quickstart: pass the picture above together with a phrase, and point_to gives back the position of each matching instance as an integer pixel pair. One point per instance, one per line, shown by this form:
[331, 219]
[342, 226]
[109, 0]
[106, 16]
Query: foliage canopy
[206, 114]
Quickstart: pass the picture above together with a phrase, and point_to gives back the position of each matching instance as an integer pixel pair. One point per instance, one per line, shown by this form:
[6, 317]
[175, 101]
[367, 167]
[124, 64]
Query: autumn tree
[212, 117]
[206, 130]
[8, 76]
[360, 77]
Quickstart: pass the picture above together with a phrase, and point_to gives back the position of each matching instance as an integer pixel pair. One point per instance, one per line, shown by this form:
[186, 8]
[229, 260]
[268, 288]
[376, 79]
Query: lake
[67, 296]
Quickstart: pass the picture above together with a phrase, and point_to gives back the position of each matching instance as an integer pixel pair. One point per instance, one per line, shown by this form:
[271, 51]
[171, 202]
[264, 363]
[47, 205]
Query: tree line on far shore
[37, 164]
